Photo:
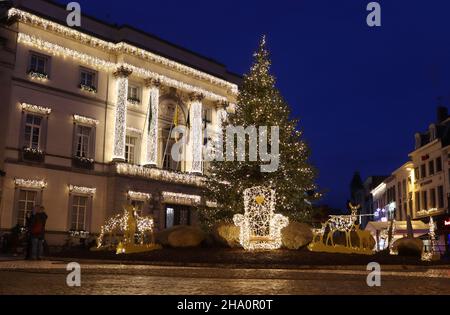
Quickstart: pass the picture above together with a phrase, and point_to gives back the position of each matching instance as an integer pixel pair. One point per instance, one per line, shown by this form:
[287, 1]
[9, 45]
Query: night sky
[361, 93]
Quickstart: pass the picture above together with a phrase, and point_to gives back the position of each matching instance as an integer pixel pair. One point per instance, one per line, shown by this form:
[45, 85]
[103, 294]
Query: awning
[400, 227]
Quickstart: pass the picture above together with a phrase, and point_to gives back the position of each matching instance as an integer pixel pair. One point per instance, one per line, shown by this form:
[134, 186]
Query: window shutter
[44, 132]
[92, 143]
[74, 140]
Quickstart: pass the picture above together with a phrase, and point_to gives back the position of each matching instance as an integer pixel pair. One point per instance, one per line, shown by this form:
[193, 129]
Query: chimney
[442, 114]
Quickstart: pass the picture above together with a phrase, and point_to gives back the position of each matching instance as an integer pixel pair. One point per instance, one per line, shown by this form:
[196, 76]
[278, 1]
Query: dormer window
[418, 140]
[433, 132]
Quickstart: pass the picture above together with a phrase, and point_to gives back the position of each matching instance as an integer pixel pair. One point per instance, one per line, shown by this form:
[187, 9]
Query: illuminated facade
[421, 187]
[90, 113]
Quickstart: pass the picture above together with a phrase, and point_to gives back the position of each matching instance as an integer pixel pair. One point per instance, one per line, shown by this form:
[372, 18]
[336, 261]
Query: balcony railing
[33, 155]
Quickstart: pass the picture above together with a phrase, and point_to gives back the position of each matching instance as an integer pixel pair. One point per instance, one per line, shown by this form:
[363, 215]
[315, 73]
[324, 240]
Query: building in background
[421, 187]
[86, 119]
[432, 174]
[361, 193]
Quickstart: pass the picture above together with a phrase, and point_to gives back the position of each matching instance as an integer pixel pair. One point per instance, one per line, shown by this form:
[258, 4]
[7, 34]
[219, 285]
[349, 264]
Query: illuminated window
[170, 213]
[27, 201]
[39, 63]
[79, 213]
[88, 78]
[33, 125]
[433, 198]
[83, 138]
[134, 94]
[130, 149]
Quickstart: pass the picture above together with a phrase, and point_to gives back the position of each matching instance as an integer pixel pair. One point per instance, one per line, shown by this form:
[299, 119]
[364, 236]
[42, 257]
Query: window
[206, 117]
[134, 94]
[431, 167]
[33, 125]
[416, 173]
[83, 141]
[404, 189]
[439, 164]
[177, 215]
[79, 213]
[433, 198]
[27, 200]
[440, 192]
[423, 171]
[417, 201]
[130, 150]
[424, 200]
[87, 78]
[139, 206]
[38, 64]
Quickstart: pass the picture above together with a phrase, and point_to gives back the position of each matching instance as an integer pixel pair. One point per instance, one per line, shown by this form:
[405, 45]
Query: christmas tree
[260, 104]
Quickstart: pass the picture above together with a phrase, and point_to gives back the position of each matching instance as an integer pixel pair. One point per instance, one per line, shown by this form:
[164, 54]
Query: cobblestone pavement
[20, 277]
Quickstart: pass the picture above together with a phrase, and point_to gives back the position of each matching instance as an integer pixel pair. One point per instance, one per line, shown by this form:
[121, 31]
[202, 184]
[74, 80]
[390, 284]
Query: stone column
[196, 133]
[152, 126]
[120, 119]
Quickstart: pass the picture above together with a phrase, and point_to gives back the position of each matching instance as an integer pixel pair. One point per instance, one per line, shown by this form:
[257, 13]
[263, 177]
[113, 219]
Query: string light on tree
[260, 104]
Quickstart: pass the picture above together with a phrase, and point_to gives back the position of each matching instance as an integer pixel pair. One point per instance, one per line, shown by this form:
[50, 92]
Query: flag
[175, 117]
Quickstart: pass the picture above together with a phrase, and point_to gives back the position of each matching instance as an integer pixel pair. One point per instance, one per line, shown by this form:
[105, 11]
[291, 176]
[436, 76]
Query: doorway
[177, 215]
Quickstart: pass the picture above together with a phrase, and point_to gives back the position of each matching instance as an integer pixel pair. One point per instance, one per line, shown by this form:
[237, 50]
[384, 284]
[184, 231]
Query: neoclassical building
[87, 118]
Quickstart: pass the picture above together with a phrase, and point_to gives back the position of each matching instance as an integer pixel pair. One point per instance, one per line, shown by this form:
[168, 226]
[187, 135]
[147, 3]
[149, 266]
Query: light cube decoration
[260, 227]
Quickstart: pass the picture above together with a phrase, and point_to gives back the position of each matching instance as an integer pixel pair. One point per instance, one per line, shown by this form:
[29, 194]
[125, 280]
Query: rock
[163, 236]
[296, 235]
[227, 234]
[408, 247]
[186, 236]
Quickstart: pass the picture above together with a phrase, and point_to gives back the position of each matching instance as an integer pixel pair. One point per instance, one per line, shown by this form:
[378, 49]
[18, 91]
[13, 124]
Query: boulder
[163, 236]
[227, 234]
[186, 236]
[296, 235]
[408, 247]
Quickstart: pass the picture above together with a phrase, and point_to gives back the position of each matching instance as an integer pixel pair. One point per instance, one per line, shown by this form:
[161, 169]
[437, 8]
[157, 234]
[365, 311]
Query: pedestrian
[38, 233]
[28, 232]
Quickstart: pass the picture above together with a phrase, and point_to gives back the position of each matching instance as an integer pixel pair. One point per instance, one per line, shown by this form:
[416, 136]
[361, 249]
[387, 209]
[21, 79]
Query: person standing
[37, 224]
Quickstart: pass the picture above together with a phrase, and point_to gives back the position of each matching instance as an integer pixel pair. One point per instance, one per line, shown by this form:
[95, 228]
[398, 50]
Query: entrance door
[177, 215]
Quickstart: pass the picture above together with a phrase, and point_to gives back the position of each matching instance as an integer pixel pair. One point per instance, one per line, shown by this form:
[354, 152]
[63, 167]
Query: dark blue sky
[361, 93]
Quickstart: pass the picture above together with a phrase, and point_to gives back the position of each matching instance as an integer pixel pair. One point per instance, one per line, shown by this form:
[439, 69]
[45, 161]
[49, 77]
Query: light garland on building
[118, 48]
[57, 50]
[35, 109]
[120, 118]
[135, 195]
[134, 131]
[151, 136]
[197, 134]
[179, 198]
[73, 189]
[97, 63]
[85, 120]
[159, 175]
[260, 227]
[30, 183]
